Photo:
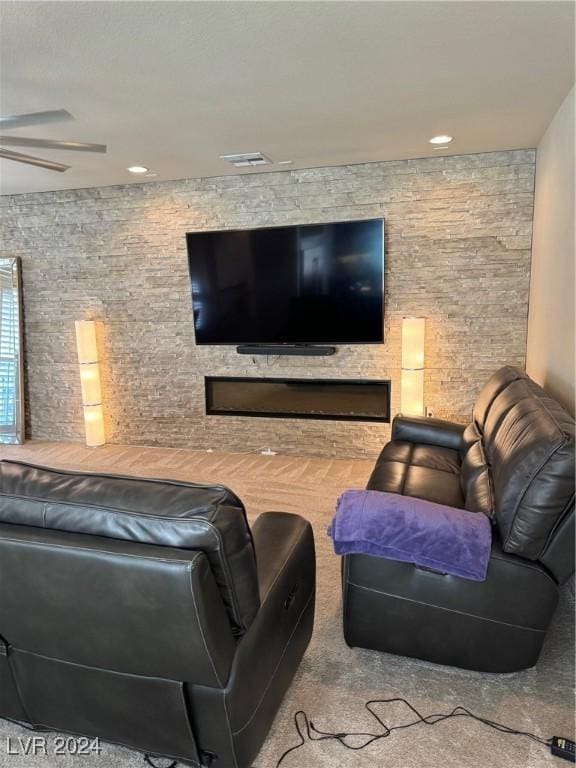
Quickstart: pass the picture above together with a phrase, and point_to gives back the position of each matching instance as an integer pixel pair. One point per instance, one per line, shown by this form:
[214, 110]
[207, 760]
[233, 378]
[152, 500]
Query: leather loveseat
[147, 612]
[514, 463]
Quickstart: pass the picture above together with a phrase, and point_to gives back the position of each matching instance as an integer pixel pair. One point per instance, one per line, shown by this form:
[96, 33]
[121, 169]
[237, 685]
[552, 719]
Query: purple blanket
[397, 527]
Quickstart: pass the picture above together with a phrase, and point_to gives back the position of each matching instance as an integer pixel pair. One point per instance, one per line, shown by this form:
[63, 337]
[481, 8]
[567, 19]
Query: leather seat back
[475, 475]
[165, 513]
[100, 637]
[130, 609]
[527, 440]
[490, 391]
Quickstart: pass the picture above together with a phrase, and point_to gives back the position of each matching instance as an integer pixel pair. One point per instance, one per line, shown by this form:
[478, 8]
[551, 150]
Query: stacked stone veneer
[458, 236]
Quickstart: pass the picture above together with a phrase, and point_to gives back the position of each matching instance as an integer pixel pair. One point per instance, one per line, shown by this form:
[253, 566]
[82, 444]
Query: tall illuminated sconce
[412, 382]
[90, 381]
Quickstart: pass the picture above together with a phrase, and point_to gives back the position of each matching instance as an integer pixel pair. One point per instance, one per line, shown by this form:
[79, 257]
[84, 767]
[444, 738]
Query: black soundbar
[306, 350]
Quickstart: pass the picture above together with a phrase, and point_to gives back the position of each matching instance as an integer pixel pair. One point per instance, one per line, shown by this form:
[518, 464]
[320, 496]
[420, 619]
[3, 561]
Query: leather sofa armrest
[268, 654]
[278, 540]
[421, 429]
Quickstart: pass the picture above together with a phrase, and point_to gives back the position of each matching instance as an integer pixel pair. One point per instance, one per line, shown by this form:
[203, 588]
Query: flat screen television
[307, 284]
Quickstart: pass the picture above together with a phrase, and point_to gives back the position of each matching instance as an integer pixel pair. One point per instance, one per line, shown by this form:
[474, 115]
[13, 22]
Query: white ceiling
[173, 85]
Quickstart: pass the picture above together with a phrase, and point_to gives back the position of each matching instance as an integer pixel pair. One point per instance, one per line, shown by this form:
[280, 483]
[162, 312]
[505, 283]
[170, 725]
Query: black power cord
[306, 729]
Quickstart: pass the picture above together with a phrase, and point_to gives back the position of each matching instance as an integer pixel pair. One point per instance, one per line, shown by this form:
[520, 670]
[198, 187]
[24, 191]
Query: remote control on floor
[565, 748]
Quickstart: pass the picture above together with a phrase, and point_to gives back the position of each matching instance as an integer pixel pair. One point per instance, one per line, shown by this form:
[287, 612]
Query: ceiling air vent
[246, 158]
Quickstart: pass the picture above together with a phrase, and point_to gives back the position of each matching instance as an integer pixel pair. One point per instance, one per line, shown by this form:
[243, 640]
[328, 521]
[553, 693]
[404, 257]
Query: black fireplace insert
[334, 399]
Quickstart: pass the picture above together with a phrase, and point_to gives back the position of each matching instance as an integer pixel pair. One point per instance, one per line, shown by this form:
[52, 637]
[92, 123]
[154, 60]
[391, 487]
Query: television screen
[315, 283]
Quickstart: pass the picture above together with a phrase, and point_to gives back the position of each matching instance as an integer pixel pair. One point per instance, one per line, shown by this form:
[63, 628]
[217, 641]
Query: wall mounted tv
[307, 284]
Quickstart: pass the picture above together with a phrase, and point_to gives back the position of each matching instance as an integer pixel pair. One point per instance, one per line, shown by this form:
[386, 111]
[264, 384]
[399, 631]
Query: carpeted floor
[334, 681]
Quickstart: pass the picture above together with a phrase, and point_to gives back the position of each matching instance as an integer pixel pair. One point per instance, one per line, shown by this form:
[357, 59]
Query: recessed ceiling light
[441, 139]
[285, 162]
[137, 169]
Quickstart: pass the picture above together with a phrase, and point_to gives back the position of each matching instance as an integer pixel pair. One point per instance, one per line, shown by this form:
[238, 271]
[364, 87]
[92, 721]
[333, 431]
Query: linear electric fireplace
[336, 399]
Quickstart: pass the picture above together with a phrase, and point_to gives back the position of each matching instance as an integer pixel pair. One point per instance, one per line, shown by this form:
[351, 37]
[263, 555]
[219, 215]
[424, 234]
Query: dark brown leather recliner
[514, 463]
[147, 612]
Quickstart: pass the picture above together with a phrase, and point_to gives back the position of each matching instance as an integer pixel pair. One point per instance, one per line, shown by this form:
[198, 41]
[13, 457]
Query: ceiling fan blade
[78, 146]
[30, 160]
[35, 118]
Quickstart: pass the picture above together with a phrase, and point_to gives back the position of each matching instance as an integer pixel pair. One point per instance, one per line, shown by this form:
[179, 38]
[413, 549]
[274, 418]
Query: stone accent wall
[458, 237]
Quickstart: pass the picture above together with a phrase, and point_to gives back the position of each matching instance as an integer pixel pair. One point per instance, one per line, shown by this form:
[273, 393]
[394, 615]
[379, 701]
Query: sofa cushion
[424, 471]
[171, 513]
[528, 440]
[470, 436]
[476, 480]
[490, 391]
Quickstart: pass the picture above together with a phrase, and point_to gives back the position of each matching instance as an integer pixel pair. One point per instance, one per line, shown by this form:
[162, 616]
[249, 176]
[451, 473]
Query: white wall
[550, 351]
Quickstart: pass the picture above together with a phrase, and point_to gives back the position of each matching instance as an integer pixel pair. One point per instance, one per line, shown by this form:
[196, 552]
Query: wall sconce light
[90, 382]
[412, 382]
